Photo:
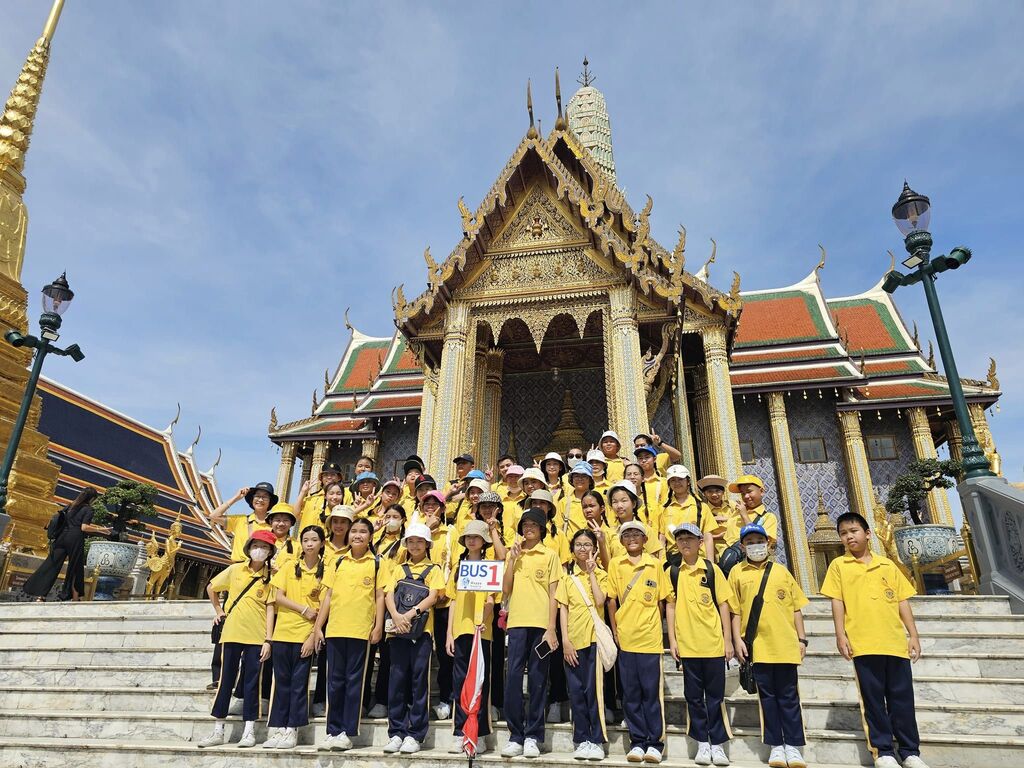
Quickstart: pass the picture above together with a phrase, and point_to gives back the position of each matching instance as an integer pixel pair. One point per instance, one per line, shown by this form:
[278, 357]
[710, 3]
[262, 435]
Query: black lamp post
[912, 213]
[57, 298]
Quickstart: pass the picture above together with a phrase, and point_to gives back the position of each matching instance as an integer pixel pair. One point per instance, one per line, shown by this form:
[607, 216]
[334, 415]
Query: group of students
[603, 557]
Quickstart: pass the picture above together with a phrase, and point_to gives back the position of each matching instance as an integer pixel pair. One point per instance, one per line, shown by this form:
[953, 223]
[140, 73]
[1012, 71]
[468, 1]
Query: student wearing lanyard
[581, 480]
[625, 505]
[598, 466]
[433, 514]
[338, 522]
[553, 468]
[727, 518]
[752, 511]
[413, 469]
[654, 492]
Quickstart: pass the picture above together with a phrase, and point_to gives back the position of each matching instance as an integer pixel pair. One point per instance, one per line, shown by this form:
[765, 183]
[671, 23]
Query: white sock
[218, 728]
[250, 726]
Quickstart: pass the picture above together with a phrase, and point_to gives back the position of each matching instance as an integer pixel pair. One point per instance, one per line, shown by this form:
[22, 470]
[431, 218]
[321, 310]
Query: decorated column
[285, 471]
[320, 448]
[722, 411]
[490, 430]
[371, 447]
[710, 461]
[306, 468]
[681, 414]
[984, 435]
[477, 412]
[451, 391]
[924, 448]
[424, 441]
[629, 380]
[954, 441]
[794, 527]
[858, 473]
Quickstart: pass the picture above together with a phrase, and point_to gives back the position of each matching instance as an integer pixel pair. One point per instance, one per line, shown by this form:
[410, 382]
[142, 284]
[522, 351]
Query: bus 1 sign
[480, 575]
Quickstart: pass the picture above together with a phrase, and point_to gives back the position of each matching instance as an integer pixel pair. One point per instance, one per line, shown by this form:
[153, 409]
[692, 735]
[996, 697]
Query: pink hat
[515, 469]
[437, 496]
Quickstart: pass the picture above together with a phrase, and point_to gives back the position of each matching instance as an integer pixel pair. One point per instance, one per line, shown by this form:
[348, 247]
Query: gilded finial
[327, 382]
[586, 79]
[312, 411]
[532, 132]
[273, 419]
[679, 252]
[51, 21]
[348, 325]
[821, 502]
[821, 262]
[931, 355]
[195, 442]
[917, 341]
[560, 120]
[705, 272]
[991, 377]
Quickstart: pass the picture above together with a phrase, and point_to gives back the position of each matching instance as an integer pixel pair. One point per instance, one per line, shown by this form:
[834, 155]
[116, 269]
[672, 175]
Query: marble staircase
[123, 684]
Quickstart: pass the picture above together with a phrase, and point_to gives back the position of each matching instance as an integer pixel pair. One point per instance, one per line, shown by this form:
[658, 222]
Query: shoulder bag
[747, 667]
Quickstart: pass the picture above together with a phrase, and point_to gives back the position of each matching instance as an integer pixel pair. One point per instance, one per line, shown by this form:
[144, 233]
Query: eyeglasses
[574, 455]
[582, 545]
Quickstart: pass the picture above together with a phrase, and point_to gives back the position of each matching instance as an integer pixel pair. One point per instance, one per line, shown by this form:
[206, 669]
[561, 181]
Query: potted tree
[928, 541]
[123, 507]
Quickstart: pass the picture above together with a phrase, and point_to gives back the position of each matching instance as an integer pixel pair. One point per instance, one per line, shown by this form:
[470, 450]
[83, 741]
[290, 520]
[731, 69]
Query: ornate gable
[538, 223]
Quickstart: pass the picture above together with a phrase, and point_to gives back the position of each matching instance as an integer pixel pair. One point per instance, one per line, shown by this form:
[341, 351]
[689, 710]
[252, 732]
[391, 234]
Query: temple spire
[532, 132]
[51, 21]
[588, 119]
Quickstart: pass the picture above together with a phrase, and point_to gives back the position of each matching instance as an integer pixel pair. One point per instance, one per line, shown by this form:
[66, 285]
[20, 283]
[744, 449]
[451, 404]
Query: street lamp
[57, 298]
[912, 214]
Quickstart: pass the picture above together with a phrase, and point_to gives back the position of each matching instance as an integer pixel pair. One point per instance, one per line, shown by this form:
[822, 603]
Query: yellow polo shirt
[559, 544]
[615, 470]
[730, 530]
[241, 527]
[770, 523]
[617, 549]
[282, 556]
[776, 641]
[580, 620]
[698, 624]
[306, 589]
[246, 622]
[872, 593]
[313, 507]
[387, 545]
[468, 609]
[657, 490]
[353, 583]
[433, 580]
[675, 514]
[661, 463]
[638, 616]
[570, 513]
[528, 604]
[332, 553]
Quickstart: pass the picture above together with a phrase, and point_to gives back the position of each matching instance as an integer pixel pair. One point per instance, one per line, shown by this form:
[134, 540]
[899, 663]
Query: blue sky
[221, 180]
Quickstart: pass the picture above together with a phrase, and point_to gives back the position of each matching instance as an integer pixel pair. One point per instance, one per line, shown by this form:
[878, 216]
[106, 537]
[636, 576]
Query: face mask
[393, 525]
[757, 552]
[259, 554]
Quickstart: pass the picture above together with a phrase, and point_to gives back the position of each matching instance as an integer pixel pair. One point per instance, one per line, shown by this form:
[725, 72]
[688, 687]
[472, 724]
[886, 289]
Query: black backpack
[57, 524]
[410, 591]
[733, 555]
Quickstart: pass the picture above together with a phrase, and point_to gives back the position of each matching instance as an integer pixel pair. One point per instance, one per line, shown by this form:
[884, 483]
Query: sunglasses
[574, 455]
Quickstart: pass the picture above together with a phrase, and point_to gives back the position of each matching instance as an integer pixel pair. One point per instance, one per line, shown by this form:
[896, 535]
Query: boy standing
[872, 618]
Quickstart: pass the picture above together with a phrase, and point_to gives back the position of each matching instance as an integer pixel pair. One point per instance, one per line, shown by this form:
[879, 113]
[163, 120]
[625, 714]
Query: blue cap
[476, 474]
[463, 457]
[646, 449]
[689, 528]
[583, 468]
[752, 528]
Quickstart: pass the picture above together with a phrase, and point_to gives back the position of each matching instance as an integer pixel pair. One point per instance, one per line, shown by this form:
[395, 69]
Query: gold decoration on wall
[532, 132]
[991, 377]
[931, 355]
[273, 419]
[732, 302]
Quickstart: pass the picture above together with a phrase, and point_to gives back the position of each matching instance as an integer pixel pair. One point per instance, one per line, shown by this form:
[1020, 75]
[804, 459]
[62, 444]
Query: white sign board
[480, 575]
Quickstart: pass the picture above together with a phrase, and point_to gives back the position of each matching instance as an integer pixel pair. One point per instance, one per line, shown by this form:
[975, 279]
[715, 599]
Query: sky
[221, 180]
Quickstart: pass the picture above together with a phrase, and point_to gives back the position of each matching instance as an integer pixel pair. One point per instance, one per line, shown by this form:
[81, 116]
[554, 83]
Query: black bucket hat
[261, 487]
[535, 515]
[413, 462]
[331, 466]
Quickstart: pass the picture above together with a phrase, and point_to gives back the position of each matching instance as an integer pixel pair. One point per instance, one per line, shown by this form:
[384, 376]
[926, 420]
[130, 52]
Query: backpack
[673, 572]
[733, 555]
[409, 592]
[58, 523]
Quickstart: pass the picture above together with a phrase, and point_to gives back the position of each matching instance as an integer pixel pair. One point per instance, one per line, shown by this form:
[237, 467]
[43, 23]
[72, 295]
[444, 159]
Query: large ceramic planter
[115, 560]
[928, 542]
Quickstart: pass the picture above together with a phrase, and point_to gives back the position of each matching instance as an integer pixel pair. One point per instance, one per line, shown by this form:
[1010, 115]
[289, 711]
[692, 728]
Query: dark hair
[369, 527]
[320, 566]
[401, 531]
[84, 498]
[506, 456]
[596, 496]
[581, 532]
[636, 510]
[369, 459]
[498, 514]
[544, 471]
[852, 517]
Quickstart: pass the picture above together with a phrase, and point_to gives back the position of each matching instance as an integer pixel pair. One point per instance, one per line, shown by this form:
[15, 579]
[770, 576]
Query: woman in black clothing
[68, 544]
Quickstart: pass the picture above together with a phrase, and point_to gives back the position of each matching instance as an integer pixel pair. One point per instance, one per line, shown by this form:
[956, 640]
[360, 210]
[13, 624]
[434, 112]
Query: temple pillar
[629, 379]
[858, 471]
[451, 391]
[424, 440]
[981, 429]
[320, 448]
[307, 466]
[610, 390]
[924, 448]
[476, 412]
[794, 527]
[285, 471]
[681, 414]
[954, 440]
[702, 425]
[490, 429]
[371, 447]
[725, 437]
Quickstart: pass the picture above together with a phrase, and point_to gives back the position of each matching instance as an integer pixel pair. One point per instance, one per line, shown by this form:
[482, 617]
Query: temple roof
[95, 446]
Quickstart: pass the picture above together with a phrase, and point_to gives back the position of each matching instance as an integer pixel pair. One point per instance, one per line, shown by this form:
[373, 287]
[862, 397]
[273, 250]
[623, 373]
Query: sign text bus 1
[480, 575]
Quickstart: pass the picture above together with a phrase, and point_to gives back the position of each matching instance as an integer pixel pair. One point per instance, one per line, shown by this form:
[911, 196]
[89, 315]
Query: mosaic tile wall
[752, 424]
[884, 473]
[662, 421]
[398, 440]
[816, 417]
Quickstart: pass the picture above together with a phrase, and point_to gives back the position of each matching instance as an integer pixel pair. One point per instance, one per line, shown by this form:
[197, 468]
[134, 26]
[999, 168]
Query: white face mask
[757, 552]
[393, 525]
[259, 554]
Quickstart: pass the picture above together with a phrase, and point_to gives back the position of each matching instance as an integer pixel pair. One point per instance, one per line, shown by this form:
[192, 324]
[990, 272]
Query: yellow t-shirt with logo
[770, 522]
[615, 469]
[528, 604]
[698, 625]
[433, 580]
[580, 620]
[776, 640]
[246, 622]
[730, 529]
[304, 589]
[638, 616]
[353, 583]
[675, 514]
[872, 593]
[313, 507]
[241, 527]
[617, 549]
[468, 608]
[282, 557]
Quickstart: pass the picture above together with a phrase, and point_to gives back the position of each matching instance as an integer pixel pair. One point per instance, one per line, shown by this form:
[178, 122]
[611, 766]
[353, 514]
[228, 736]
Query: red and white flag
[471, 695]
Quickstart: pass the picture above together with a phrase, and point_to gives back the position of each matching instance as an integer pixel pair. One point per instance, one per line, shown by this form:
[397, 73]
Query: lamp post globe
[911, 212]
[57, 298]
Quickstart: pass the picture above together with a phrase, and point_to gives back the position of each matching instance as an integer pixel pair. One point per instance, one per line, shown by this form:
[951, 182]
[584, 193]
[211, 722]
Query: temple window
[811, 450]
[881, 447]
[747, 451]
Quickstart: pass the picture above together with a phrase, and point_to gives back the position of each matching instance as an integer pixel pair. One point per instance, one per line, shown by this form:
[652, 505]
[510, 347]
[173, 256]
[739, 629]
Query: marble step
[71, 610]
[73, 638]
[44, 625]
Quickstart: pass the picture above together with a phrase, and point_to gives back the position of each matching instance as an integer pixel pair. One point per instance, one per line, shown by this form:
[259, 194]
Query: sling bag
[215, 632]
[747, 667]
[607, 651]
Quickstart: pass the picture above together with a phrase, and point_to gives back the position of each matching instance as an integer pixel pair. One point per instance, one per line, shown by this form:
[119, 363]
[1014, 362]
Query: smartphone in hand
[543, 649]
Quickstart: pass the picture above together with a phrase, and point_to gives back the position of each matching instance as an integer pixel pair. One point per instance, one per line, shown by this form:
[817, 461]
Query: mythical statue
[161, 566]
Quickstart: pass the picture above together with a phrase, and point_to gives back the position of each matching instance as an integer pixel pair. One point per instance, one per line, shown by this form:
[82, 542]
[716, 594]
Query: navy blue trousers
[704, 689]
[409, 687]
[460, 667]
[529, 721]
[444, 661]
[377, 693]
[585, 688]
[233, 657]
[346, 667]
[887, 696]
[497, 665]
[641, 699]
[289, 704]
[781, 718]
[320, 687]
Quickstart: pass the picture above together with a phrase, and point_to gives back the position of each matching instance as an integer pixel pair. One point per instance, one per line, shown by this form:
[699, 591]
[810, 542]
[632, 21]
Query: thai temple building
[557, 315]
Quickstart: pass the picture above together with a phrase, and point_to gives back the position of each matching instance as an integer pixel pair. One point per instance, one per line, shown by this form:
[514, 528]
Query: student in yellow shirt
[875, 629]
[667, 454]
[424, 485]
[727, 518]
[390, 493]
[470, 611]
[625, 505]
[654, 488]
[504, 462]
[554, 538]
[777, 647]
[312, 502]
[581, 480]
[489, 510]
[553, 468]
[610, 446]
[387, 543]
[683, 507]
[389, 547]
[297, 601]
[443, 542]
[638, 586]
[532, 573]
[752, 511]
[413, 470]
[350, 620]
[338, 524]
[282, 519]
[598, 464]
[409, 682]
[244, 634]
[700, 638]
[260, 498]
[583, 586]
[597, 523]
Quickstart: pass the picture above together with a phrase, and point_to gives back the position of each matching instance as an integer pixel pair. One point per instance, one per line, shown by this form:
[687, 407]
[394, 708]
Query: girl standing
[315, 507]
[338, 524]
[553, 468]
[625, 504]
[389, 548]
[432, 511]
[68, 543]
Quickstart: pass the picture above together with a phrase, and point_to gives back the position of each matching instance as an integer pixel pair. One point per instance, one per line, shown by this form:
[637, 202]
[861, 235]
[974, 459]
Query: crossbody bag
[747, 667]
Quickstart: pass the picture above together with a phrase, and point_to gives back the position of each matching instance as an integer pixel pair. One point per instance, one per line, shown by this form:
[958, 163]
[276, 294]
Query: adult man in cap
[464, 464]
[504, 462]
[667, 454]
[752, 512]
[727, 517]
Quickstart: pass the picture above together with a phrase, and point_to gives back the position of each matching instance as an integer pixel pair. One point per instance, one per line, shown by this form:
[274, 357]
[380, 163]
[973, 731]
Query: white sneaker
[273, 738]
[886, 761]
[582, 751]
[703, 756]
[635, 755]
[914, 761]
[793, 757]
[652, 755]
[377, 711]
[596, 752]
[289, 739]
[328, 743]
[410, 746]
[512, 749]
[443, 711]
[236, 706]
[777, 758]
[456, 745]
[394, 745]
[248, 735]
[718, 756]
[215, 739]
[342, 741]
[530, 748]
